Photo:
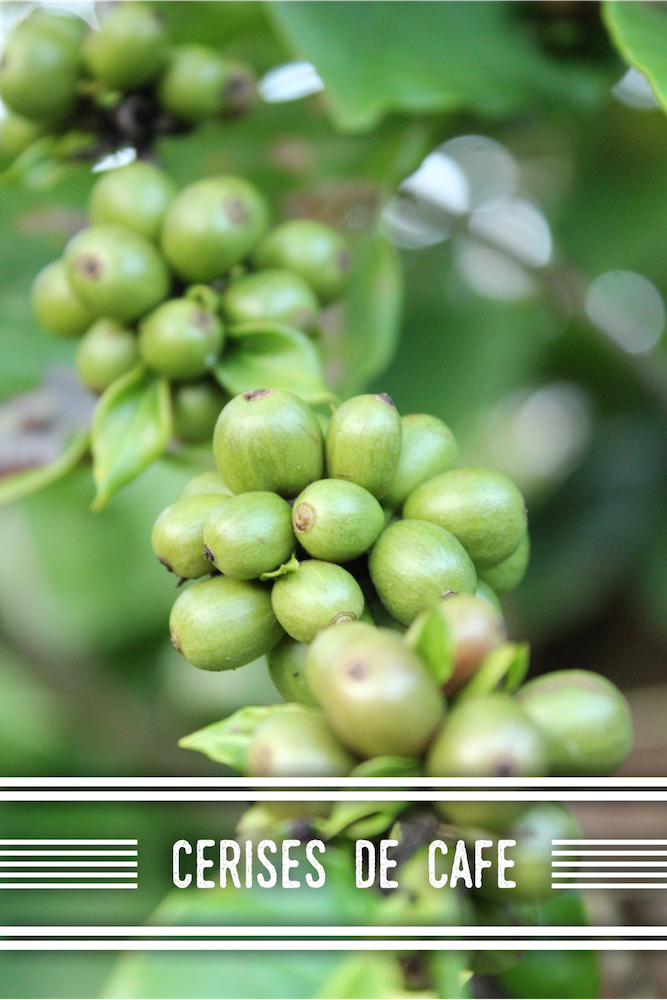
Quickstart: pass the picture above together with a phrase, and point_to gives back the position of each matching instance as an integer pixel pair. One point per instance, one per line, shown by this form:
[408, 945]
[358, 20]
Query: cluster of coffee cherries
[345, 549]
[160, 277]
[120, 82]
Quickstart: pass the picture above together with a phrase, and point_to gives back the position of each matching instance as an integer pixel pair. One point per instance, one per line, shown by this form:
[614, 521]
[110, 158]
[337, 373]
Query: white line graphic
[39, 860]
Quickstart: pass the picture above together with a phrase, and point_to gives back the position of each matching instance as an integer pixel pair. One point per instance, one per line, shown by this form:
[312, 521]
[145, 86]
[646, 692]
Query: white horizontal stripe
[69, 864]
[609, 885]
[612, 843]
[609, 864]
[67, 885]
[300, 796]
[397, 945]
[65, 843]
[610, 875]
[351, 782]
[48, 854]
[353, 930]
[67, 874]
[613, 854]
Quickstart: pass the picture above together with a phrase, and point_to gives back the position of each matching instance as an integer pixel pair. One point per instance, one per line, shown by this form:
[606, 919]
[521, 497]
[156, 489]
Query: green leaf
[369, 974]
[424, 57]
[228, 741]
[387, 767]
[359, 819]
[431, 637]
[508, 662]
[272, 356]
[289, 567]
[131, 427]
[22, 484]
[361, 336]
[449, 973]
[639, 32]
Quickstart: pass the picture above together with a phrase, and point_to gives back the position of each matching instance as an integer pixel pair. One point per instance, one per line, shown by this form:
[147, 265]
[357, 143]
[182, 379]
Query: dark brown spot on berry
[165, 564]
[448, 593]
[357, 671]
[504, 767]
[175, 641]
[342, 617]
[304, 517]
[236, 211]
[382, 397]
[257, 394]
[208, 554]
[89, 265]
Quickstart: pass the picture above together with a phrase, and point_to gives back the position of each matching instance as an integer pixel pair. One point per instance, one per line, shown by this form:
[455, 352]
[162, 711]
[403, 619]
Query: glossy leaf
[639, 31]
[131, 427]
[291, 566]
[272, 356]
[360, 819]
[22, 484]
[431, 637]
[508, 663]
[429, 57]
[387, 767]
[228, 741]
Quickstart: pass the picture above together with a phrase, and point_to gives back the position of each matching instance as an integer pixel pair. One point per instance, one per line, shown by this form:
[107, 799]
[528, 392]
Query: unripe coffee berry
[274, 296]
[363, 442]
[324, 649]
[483, 508]
[428, 448]
[534, 832]
[107, 351]
[212, 225]
[180, 339]
[287, 669]
[221, 624]
[39, 72]
[195, 409]
[336, 521]
[116, 272]
[129, 49]
[317, 595]
[56, 305]
[268, 439]
[65, 27]
[585, 718]
[199, 83]
[177, 537]
[250, 534]
[16, 134]
[509, 573]
[414, 563]
[314, 251]
[135, 196]
[376, 695]
[296, 742]
[205, 482]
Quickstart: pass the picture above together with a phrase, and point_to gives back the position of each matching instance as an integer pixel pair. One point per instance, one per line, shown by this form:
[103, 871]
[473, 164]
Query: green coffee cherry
[221, 624]
[484, 509]
[376, 694]
[180, 339]
[486, 737]
[585, 719]
[364, 442]
[212, 225]
[177, 537]
[55, 304]
[296, 743]
[195, 409]
[287, 669]
[336, 521]
[310, 249]
[107, 351]
[39, 72]
[413, 563]
[116, 272]
[16, 134]
[324, 649]
[475, 628]
[268, 439]
[416, 902]
[317, 595]
[509, 573]
[129, 49]
[427, 449]
[65, 27]
[205, 482]
[250, 534]
[277, 296]
[199, 83]
[135, 196]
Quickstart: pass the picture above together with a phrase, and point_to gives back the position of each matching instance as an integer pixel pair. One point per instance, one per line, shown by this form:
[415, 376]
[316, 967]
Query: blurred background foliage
[521, 329]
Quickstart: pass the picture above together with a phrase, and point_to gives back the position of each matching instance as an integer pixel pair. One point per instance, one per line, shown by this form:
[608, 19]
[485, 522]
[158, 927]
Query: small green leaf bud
[221, 624]
[116, 272]
[268, 439]
[428, 448]
[312, 250]
[177, 537]
[129, 49]
[376, 694]
[135, 196]
[250, 534]
[181, 340]
[413, 563]
[107, 351]
[317, 595]
[483, 508]
[55, 304]
[212, 225]
[336, 521]
[363, 442]
[585, 718]
[287, 669]
[275, 296]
